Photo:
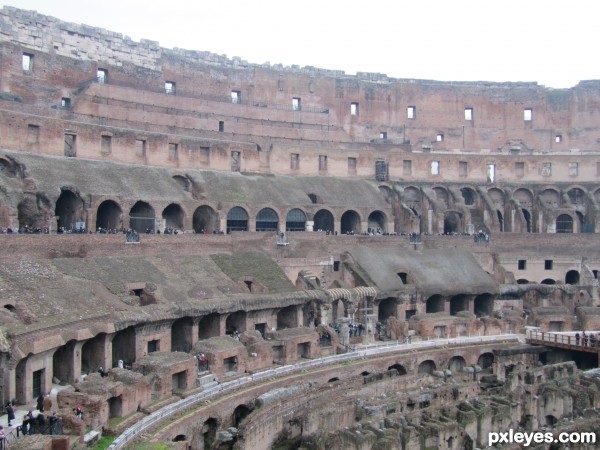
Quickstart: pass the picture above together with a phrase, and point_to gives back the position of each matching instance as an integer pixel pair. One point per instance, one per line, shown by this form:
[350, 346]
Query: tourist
[577, 337]
[78, 411]
[10, 412]
[47, 403]
[40, 402]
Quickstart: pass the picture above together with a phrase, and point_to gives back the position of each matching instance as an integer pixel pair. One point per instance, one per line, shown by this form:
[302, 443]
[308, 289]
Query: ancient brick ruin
[287, 219]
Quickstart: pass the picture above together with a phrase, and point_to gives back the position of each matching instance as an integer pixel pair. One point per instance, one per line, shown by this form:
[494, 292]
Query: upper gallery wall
[75, 90]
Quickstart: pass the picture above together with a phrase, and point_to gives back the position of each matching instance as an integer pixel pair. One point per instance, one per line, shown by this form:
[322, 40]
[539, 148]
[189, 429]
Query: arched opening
[387, 308]
[468, 196]
[180, 438]
[11, 308]
[267, 220]
[486, 360]
[350, 223]
[181, 335]
[109, 216]
[551, 420]
[70, 210]
[365, 373]
[287, 317]
[456, 364]
[452, 223]
[522, 281]
[93, 353]
[527, 217]
[458, 303]
[333, 380]
[209, 433]
[548, 281]
[434, 304]
[209, 326]
[564, 224]
[34, 212]
[295, 220]
[142, 218]
[237, 219]
[323, 220]
[205, 219]
[236, 322]
[550, 198]
[62, 363]
[399, 368]
[500, 220]
[572, 277]
[484, 305]
[377, 222]
[123, 347]
[427, 366]
[239, 413]
[173, 215]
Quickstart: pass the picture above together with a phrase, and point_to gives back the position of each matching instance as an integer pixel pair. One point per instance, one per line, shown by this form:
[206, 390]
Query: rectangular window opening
[548, 264]
[435, 167]
[573, 169]
[383, 135]
[439, 137]
[528, 114]
[236, 97]
[221, 126]
[205, 155]
[546, 169]
[153, 346]
[491, 173]
[106, 144]
[102, 75]
[354, 109]
[411, 112]
[295, 161]
[173, 151]
[140, 148]
[169, 87]
[236, 163]
[522, 264]
[558, 138]
[70, 148]
[33, 134]
[468, 113]
[520, 169]
[463, 168]
[322, 163]
[27, 62]
[65, 102]
[296, 104]
[352, 166]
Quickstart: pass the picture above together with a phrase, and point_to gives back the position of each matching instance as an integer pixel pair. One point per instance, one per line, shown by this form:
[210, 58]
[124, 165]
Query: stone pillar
[337, 226]
[90, 219]
[195, 330]
[77, 361]
[251, 223]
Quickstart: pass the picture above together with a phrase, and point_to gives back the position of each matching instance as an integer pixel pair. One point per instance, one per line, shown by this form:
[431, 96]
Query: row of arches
[70, 211]
[456, 364]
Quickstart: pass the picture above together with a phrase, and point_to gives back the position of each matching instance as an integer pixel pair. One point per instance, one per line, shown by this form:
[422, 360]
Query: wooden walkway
[567, 341]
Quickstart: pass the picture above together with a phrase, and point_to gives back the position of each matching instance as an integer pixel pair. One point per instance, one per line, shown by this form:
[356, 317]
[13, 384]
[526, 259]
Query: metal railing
[358, 353]
[49, 428]
[574, 338]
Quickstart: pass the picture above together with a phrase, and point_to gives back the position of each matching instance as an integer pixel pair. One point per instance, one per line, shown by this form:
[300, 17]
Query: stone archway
[236, 322]
[427, 367]
[484, 305]
[174, 216]
[377, 222]
[435, 303]
[295, 220]
[452, 223]
[267, 220]
[237, 219]
[209, 326]
[459, 303]
[142, 217]
[323, 221]
[69, 209]
[109, 216]
[564, 224]
[205, 218]
[350, 223]
[181, 335]
[387, 308]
